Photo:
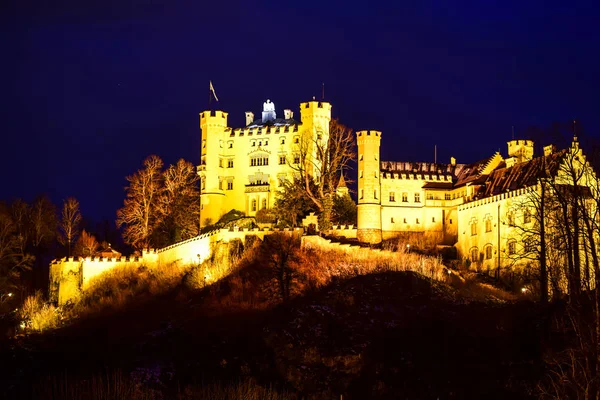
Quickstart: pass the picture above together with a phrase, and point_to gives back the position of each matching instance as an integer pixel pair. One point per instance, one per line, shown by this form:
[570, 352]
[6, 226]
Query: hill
[381, 334]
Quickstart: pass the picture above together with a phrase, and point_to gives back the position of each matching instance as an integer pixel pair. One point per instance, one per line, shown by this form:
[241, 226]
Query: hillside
[376, 335]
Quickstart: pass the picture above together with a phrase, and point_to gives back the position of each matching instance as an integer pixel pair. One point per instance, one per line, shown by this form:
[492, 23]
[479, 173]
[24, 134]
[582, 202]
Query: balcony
[257, 187]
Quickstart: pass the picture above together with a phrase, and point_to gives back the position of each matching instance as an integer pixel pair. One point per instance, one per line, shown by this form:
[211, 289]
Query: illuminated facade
[243, 168]
[482, 208]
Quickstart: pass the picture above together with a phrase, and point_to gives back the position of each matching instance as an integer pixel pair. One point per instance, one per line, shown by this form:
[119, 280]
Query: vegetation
[69, 223]
[160, 207]
[322, 161]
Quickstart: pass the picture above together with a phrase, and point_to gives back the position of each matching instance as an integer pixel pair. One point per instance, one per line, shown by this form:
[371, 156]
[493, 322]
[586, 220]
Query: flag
[212, 89]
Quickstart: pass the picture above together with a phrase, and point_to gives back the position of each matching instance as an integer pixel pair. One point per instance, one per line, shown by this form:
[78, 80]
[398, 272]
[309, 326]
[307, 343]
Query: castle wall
[69, 277]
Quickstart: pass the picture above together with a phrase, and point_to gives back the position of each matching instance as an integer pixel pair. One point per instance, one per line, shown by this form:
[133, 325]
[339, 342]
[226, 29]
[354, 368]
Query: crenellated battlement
[316, 107]
[264, 130]
[368, 133]
[213, 118]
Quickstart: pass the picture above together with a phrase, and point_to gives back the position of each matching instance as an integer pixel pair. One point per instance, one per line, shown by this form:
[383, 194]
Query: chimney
[288, 114]
[249, 117]
[550, 149]
[452, 161]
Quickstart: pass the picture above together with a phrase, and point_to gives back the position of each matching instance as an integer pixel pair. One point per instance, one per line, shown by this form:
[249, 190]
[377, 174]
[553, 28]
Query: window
[229, 185]
[264, 203]
[432, 219]
[512, 248]
[282, 141]
[266, 142]
[417, 197]
[253, 208]
[362, 194]
[418, 221]
[361, 157]
[253, 143]
[257, 161]
[220, 163]
[360, 174]
[281, 160]
[392, 221]
[447, 196]
[392, 196]
[296, 140]
[488, 225]
[450, 221]
[405, 197]
[527, 216]
[488, 252]
[528, 245]
[220, 184]
[473, 228]
[229, 163]
[296, 159]
[511, 218]
[203, 183]
[474, 254]
[429, 196]
[231, 145]
[375, 194]
[404, 220]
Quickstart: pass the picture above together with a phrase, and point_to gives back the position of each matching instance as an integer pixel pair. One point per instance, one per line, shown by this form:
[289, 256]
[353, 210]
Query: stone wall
[70, 276]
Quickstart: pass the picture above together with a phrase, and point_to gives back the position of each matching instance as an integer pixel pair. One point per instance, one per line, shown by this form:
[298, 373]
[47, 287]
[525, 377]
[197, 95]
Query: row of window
[511, 249]
[253, 143]
[417, 221]
[510, 218]
[417, 197]
[254, 205]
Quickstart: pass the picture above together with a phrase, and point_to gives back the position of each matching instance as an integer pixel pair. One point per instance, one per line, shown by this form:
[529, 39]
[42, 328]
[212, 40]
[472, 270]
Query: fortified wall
[70, 276]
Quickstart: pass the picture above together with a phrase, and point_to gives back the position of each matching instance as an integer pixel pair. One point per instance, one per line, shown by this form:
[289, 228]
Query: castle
[486, 209]
[243, 168]
[479, 207]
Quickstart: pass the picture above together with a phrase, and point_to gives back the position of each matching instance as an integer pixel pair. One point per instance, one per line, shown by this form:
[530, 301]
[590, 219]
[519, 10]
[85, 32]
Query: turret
[520, 150]
[369, 187]
[213, 125]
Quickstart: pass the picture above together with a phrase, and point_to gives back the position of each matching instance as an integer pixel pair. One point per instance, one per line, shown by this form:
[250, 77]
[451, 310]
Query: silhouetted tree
[69, 223]
[280, 249]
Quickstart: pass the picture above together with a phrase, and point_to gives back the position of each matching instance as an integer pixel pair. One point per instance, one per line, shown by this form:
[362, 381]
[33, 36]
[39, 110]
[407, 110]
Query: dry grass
[38, 316]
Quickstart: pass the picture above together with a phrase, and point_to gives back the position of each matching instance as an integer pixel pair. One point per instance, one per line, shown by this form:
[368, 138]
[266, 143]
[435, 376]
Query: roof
[273, 122]
[521, 175]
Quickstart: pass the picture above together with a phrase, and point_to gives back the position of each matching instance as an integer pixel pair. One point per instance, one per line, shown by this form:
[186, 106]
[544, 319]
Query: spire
[342, 189]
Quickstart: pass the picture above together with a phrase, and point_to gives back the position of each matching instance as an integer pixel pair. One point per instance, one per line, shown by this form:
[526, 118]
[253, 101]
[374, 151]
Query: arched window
[512, 247]
[488, 252]
[254, 204]
[474, 254]
[264, 203]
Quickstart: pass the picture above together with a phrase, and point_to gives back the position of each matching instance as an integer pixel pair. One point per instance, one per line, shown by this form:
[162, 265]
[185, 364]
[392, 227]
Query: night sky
[90, 88]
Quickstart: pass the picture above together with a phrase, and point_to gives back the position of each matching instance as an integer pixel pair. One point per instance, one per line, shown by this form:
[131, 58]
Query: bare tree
[69, 223]
[87, 245]
[178, 204]
[139, 213]
[43, 222]
[322, 161]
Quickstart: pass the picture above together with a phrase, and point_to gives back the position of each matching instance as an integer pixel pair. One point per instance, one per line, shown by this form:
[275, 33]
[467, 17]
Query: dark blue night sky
[90, 88]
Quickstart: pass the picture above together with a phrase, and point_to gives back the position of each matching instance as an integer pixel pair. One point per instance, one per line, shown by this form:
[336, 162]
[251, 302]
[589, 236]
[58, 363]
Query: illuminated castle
[243, 168]
[482, 208]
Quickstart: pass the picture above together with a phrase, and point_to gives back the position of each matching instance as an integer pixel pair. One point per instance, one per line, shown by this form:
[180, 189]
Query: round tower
[369, 187]
[213, 125]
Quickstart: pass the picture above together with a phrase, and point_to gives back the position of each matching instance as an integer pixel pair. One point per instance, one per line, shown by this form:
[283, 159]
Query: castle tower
[520, 150]
[315, 117]
[213, 125]
[369, 187]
